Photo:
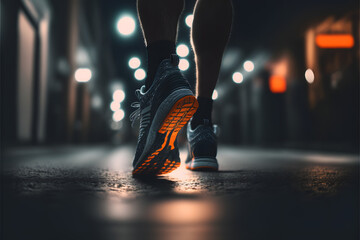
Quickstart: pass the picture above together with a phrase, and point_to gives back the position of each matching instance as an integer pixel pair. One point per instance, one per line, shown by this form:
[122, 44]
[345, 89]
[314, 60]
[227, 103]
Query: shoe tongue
[174, 59]
[206, 122]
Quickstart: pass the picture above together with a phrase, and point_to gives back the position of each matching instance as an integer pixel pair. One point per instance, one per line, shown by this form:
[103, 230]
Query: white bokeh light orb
[114, 106]
[309, 76]
[182, 50]
[126, 25]
[140, 74]
[119, 96]
[134, 62]
[249, 66]
[118, 115]
[96, 102]
[184, 64]
[83, 75]
[189, 20]
[237, 77]
[215, 95]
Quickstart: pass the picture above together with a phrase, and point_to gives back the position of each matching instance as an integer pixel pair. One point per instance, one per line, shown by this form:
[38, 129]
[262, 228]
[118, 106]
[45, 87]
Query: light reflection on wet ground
[81, 193]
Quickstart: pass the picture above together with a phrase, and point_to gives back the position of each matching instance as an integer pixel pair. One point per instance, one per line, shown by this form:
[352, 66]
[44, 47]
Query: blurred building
[55, 68]
[304, 90]
[332, 60]
[290, 75]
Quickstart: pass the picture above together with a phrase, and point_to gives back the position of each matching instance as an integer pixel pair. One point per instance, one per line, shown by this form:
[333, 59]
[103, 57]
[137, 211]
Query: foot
[163, 110]
[202, 147]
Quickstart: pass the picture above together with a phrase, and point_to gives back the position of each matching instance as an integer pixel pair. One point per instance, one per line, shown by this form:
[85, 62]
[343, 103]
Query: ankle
[203, 113]
[157, 52]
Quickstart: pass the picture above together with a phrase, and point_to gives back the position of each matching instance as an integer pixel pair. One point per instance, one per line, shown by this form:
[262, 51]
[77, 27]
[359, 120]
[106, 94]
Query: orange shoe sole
[178, 116]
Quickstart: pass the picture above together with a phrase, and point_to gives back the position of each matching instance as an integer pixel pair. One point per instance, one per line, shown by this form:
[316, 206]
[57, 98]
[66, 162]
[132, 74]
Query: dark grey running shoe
[163, 110]
[174, 155]
[202, 148]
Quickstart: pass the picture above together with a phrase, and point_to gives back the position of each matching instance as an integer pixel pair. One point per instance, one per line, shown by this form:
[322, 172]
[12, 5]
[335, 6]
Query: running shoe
[163, 110]
[174, 155]
[202, 146]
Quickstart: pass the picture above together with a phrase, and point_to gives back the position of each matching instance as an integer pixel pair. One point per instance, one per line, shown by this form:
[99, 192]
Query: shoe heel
[180, 114]
[178, 117]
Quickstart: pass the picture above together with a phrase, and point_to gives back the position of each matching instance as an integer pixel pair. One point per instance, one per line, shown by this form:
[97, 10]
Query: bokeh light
[126, 25]
[189, 20]
[116, 125]
[249, 66]
[119, 95]
[140, 74]
[118, 115]
[182, 50]
[134, 62]
[114, 106]
[184, 64]
[277, 84]
[237, 77]
[96, 102]
[334, 41]
[215, 95]
[83, 75]
[309, 76]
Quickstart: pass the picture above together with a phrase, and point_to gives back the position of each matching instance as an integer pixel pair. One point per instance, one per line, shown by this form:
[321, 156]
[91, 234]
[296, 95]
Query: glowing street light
[126, 25]
[249, 66]
[309, 76]
[119, 96]
[215, 95]
[134, 62]
[140, 74]
[114, 106]
[118, 115]
[182, 50]
[334, 41]
[184, 64]
[96, 102]
[189, 20]
[83, 75]
[116, 125]
[237, 77]
[277, 84]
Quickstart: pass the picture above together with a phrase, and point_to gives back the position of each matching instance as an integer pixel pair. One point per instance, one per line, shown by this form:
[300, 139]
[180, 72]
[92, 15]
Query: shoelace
[135, 114]
[174, 59]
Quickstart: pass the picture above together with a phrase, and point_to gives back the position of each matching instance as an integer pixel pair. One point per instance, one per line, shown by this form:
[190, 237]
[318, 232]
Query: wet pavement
[89, 193]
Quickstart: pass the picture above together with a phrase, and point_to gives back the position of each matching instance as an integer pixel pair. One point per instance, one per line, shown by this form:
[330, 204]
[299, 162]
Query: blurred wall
[43, 44]
[294, 109]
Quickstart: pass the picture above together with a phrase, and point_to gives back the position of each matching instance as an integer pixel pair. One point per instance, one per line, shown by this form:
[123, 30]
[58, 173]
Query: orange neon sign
[334, 40]
[277, 84]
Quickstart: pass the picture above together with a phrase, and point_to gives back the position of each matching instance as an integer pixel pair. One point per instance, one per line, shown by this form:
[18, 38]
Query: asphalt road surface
[88, 193]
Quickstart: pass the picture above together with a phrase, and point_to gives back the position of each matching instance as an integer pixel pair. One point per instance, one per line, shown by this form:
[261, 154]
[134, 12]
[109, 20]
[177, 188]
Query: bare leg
[209, 36]
[159, 23]
[167, 104]
[159, 19]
